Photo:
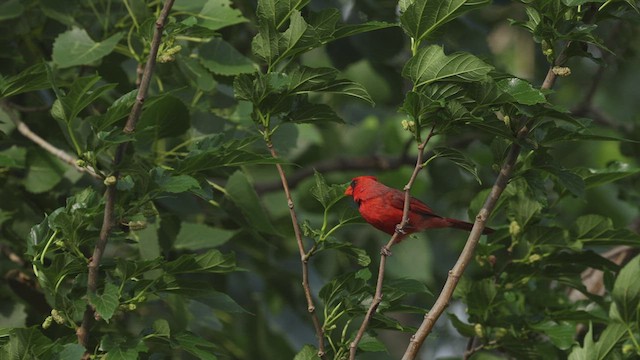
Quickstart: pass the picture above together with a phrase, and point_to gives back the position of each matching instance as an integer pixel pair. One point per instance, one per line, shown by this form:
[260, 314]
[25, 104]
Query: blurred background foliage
[199, 181]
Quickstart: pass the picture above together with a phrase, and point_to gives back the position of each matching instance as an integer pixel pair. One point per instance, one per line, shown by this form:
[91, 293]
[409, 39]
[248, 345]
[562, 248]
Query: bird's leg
[385, 251]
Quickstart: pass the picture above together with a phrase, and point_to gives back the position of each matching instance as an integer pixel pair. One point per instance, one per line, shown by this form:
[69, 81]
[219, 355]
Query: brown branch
[82, 332]
[340, 164]
[304, 256]
[386, 250]
[466, 255]
[44, 144]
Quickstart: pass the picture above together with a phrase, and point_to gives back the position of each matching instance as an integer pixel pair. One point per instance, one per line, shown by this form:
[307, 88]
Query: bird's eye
[353, 184]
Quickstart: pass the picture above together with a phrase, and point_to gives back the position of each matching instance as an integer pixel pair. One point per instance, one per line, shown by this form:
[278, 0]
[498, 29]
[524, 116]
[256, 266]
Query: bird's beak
[349, 191]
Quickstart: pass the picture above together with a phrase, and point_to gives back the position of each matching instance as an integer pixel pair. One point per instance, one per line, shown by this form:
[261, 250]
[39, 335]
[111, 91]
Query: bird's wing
[415, 205]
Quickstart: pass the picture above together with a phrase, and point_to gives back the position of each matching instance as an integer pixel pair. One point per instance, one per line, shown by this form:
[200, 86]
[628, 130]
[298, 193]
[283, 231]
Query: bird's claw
[400, 230]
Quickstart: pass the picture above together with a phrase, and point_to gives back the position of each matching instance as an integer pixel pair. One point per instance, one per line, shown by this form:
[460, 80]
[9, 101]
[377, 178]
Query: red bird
[381, 206]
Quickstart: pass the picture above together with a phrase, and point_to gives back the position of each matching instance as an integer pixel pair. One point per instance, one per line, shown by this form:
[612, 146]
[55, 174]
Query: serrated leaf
[458, 158]
[522, 91]
[242, 193]
[371, 344]
[325, 194]
[626, 290]
[200, 236]
[277, 12]
[568, 179]
[118, 110]
[72, 352]
[44, 171]
[614, 172]
[221, 58]
[311, 113]
[31, 79]
[161, 327]
[360, 255]
[212, 261]
[176, 183]
[196, 346]
[107, 302]
[75, 47]
[308, 352]
[82, 93]
[197, 73]
[27, 343]
[595, 230]
[217, 14]
[422, 17]
[167, 116]
[431, 64]
[561, 334]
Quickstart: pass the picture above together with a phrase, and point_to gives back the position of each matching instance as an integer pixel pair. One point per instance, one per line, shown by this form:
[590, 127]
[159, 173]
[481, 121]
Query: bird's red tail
[463, 225]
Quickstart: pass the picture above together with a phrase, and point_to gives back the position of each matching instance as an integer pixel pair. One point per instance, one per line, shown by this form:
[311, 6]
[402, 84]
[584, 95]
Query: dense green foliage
[202, 260]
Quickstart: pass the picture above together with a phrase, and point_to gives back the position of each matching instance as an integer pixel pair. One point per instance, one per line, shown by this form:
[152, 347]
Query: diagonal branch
[304, 256]
[386, 250]
[47, 146]
[466, 255]
[82, 332]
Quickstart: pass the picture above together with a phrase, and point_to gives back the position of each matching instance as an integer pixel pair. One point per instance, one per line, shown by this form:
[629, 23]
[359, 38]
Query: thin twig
[466, 255]
[386, 250]
[82, 332]
[44, 144]
[304, 256]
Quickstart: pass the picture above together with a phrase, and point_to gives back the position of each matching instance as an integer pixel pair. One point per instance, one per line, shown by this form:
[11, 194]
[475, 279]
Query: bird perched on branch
[382, 206]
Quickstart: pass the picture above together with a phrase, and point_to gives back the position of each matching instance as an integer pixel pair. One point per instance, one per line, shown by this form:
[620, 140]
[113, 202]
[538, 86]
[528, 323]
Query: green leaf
[613, 172]
[11, 9]
[422, 17]
[72, 352]
[561, 334]
[173, 183]
[458, 158]
[44, 171]
[75, 47]
[568, 179]
[221, 58]
[358, 254]
[595, 230]
[28, 343]
[242, 193]
[305, 112]
[626, 290]
[431, 64]
[277, 12]
[31, 79]
[200, 236]
[13, 157]
[325, 194]
[197, 73]
[118, 110]
[212, 261]
[371, 344]
[217, 14]
[522, 91]
[168, 116]
[196, 346]
[308, 352]
[107, 302]
[161, 327]
[82, 93]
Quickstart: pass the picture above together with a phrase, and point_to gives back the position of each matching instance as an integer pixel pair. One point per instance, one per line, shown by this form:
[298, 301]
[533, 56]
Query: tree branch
[44, 144]
[466, 255]
[82, 332]
[304, 257]
[386, 250]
